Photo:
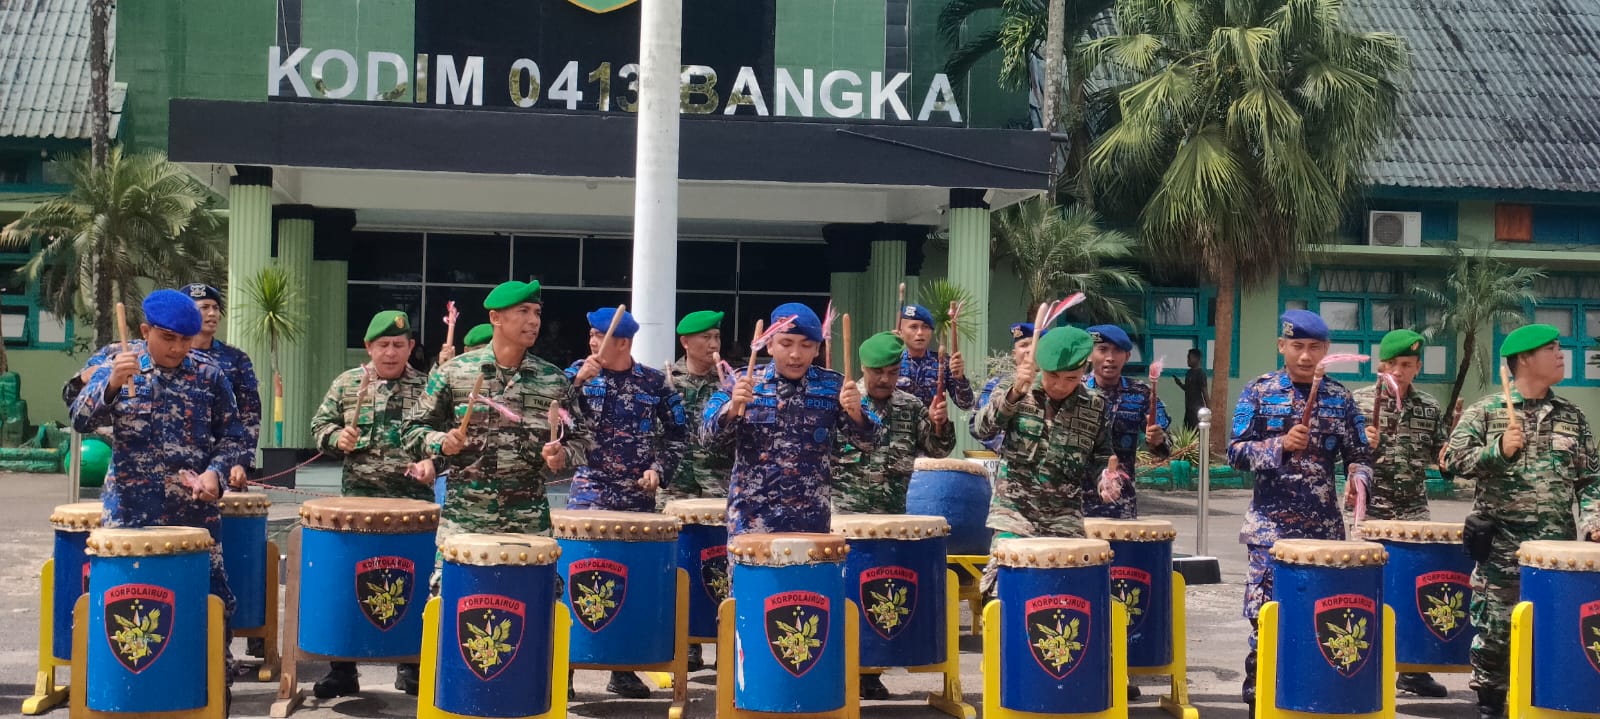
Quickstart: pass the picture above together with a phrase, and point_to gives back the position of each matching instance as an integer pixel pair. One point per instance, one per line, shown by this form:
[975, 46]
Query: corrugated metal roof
[1505, 94]
[44, 70]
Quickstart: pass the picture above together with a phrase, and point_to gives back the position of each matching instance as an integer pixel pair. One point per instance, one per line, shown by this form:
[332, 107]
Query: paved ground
[1216, 635]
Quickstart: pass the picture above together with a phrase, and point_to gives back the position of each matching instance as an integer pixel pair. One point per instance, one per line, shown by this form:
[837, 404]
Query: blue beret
[806, 323]
[916, 312]
[1303, 325]
[1021, 331]
[1111, 334]
[200, 291]
[627, 327]
[173, 311]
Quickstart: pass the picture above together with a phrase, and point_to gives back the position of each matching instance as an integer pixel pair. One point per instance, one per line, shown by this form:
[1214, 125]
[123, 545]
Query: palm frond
[938, 295]
[273, 300]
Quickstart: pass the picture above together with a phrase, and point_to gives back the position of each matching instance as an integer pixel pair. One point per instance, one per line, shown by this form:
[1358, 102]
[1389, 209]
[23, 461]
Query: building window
[1173, 321]
[23, 322]
[14, 168]
[419, 272]
[1360, 307]
[1571, 304]
[1513, 223]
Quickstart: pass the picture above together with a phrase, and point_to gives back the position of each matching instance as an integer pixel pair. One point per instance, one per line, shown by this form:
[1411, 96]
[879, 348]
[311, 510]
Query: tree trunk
[99, 80]
[1055, 46]
[1221, 366]
[1469, 351]
[104, 317]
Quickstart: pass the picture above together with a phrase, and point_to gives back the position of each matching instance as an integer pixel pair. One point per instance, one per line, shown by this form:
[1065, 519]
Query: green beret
[1064, 348]
[479, 335]
[390, 323]
[882, 350]
[696, 322]
[1399, 343]
[1528, 338]
[510, 294]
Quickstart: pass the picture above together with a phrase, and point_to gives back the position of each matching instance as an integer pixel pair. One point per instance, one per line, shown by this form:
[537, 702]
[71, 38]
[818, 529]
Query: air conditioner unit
[1394, 229]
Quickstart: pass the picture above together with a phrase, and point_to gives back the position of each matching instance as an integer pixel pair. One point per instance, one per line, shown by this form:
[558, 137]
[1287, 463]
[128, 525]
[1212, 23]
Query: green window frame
[1361, 305]
[1173, 319]
[26, 304]
[1570, 302]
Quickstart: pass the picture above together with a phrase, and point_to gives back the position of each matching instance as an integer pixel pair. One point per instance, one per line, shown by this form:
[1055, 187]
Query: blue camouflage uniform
[638, 425]
[241, 374]
[181, 418]
[785, 443]
[1019, 332]
[1294, 492]
[920, 375]
[1128, 410]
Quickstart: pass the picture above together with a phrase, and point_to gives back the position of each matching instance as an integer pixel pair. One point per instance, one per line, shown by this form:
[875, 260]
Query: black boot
[1247, 692]
[1491, 703]
[340, 681]
[1421, 684]
[628, 686]
[872, 687]
[696, 662]
[407, 679]
[256, 647]
[1133, 692]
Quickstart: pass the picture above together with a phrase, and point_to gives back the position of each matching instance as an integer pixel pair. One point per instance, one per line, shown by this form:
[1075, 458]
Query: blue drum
[148, 591]
[244, 556]
[70, 571]
[1055, 624]
[1330, 625]
[1562, 579]
[896, 576]
[703, 553]
[1428, 583]
[788, 623]
[620, 571]
[959, 491]
[1141, 581]
[496, 645]
[364, 567]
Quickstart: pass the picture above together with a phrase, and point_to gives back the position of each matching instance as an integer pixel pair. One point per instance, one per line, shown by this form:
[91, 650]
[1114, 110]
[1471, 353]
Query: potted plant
[271, 299]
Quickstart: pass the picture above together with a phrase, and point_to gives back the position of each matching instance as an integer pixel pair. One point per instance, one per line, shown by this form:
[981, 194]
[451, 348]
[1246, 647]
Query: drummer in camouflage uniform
[875, 482]
[703, 472]
[784, 422]
[1057, 443]
[359, 419]
[1128, 411]
[920, 368]
[1021, 346]
[1404, 441]
[477, 337]
[1526, 477]
[1293, 464]
[499, 464]
[176, 434]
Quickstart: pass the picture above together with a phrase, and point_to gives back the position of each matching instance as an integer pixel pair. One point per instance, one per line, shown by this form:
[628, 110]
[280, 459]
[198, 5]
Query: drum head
[929, 464]
[1051, 552]
[1129, 530]
[370, 515]
[602, 525]
[77, 517]
[1413, 532]
[245, 504]
[1329, 553]
[148, 541]
[786, 549]
[497, 550]
[698, 511]
[890, 526]
[1568, 556]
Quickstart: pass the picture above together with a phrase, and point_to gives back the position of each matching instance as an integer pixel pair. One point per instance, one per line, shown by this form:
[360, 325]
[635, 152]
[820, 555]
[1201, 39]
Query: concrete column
[249, 252]
[915, 236]
[887, 271]
[848, 290]
[655, 203]
[969, 268]
[849, 253]
[330, 275]
[296, 235]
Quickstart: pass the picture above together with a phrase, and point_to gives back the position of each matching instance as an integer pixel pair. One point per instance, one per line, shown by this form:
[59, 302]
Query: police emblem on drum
[1442, 601]
[797, 629]
[889, 598]
[1130, 587]
[138, 621]
[1058, 632]
[1345, 631]
[489, 627]
[1589, 631]
[597, 589]
[383, 589]
[714, 572]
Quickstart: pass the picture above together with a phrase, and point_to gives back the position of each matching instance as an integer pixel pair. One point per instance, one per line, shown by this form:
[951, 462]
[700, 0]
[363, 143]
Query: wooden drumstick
[472, 399]
[848, 348]
[615, 318]
[750, 369]
[554, 419]
[122, 334]
[1505, 389]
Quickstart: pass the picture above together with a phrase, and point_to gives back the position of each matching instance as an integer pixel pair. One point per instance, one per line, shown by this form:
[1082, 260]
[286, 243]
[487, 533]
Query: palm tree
[937, 297]
[1242, 135]
[137, 218]
[1057, 252]
[1479, 292]
[271, 298]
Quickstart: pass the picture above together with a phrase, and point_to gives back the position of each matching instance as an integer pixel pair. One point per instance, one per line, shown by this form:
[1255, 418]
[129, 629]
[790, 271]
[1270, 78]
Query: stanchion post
[1202, 515]
[74, 464]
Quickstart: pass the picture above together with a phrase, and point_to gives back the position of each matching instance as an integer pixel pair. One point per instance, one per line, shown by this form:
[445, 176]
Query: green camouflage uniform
[497, 484]
[377, 467]
[1049, 463]
[1408, 441]
[1530, 497]
[875, 482]
[704, 470]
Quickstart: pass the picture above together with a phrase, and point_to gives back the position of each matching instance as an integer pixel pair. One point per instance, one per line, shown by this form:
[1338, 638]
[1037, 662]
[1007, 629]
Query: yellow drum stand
[72, 524]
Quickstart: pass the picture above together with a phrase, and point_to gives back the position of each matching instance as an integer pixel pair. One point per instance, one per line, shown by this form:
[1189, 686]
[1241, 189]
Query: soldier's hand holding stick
[554, 456]
[1512, 440]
